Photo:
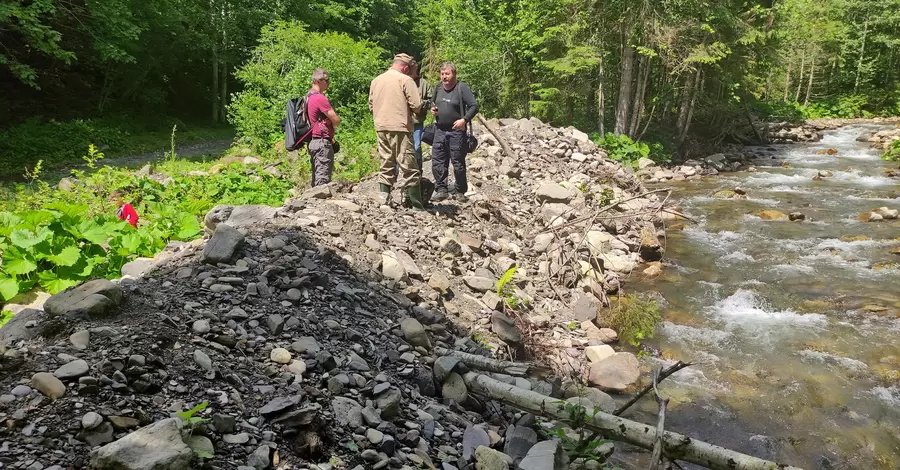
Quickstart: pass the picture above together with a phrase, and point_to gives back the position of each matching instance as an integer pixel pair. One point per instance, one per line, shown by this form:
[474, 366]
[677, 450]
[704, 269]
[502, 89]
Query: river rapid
[795, 325]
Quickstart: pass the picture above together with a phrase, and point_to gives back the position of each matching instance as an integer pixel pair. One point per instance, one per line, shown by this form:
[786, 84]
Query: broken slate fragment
[223, 245]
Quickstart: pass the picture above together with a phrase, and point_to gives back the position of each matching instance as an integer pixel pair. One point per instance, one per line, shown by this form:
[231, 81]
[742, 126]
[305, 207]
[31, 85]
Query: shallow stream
[796, 325]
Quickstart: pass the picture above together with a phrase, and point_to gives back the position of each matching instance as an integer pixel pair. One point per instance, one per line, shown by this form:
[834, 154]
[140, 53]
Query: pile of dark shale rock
[311, 330]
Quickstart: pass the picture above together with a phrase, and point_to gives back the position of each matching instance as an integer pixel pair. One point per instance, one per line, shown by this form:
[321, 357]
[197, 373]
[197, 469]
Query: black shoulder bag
[471, 141]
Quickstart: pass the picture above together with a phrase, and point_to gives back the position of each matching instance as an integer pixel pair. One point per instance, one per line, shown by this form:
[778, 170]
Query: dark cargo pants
[449, 147]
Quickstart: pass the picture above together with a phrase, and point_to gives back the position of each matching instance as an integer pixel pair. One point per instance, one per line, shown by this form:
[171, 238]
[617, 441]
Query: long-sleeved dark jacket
[448, 103]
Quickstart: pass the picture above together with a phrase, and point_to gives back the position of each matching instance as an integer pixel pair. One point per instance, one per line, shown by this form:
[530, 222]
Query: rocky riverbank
[321, 334]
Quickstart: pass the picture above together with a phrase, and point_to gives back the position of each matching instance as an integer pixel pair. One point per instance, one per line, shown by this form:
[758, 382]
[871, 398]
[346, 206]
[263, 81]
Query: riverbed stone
[616, 372]
[553, 192]
[72, 370]
[154, 447]
[93, 298]
[490, 459]
[771, 214]
[223, 245]
[545, 455]
[48, 384]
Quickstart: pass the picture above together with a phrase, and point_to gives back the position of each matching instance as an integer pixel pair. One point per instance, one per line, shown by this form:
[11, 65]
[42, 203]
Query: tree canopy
[680, 71]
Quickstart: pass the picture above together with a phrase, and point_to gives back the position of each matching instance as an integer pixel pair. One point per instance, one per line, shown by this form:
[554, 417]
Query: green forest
[86, 80]
[677, 72]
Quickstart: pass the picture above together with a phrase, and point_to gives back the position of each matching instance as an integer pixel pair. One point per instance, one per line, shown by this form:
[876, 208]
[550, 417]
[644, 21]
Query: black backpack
[297, 128]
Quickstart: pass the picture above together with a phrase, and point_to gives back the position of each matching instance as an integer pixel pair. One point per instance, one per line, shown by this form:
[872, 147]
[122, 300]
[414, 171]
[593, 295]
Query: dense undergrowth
[892, 153]
[848, 106]
[56, 236]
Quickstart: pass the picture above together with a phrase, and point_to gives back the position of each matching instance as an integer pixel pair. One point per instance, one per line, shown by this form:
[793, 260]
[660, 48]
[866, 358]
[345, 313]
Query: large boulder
[546, 455]
[157, 446]
[22, 326]
[223, 245]
[616, 372]
[93, 298]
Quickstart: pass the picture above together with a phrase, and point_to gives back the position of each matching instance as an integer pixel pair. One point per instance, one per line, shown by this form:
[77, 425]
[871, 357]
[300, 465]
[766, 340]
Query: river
[794, 324]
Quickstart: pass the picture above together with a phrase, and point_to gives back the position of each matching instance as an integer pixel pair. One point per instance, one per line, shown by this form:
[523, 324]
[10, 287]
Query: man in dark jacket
[454, 107]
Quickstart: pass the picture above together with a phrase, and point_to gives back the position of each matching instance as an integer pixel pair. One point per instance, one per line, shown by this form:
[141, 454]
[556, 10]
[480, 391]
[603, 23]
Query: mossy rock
[725, 194]
[772, 214]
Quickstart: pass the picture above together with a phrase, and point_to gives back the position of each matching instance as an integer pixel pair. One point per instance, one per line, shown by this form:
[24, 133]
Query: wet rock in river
[772, 214]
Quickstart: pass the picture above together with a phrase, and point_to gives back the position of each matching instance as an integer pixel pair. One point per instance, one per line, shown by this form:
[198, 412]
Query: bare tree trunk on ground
[675, 446]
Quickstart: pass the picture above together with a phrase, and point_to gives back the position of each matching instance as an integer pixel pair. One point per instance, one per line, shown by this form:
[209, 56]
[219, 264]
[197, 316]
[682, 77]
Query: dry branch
[675, 446]
[662, 376]
[505, 146]
[657, 458]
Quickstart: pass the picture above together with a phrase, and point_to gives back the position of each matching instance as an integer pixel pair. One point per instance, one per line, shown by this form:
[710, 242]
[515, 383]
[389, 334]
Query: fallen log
[517, 369]
[675, 446]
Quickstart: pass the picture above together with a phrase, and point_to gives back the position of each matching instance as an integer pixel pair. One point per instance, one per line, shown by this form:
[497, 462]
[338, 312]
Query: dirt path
[186, 151]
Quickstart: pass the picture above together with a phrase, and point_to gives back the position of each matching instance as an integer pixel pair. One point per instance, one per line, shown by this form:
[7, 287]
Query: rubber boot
[385, 195]
[414, 195]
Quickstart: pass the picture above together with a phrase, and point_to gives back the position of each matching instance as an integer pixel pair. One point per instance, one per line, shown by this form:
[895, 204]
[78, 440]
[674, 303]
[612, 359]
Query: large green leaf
[189, 227]
[131, 242]
[23, 238]
[53, 284]
[67, 257]
[34, 219]
[17, 265]
[8, 222]
[8, 288]
[71, 210]
[92, 232]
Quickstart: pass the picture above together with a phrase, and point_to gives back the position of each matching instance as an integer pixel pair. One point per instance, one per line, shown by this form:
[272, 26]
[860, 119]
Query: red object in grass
[128, 214]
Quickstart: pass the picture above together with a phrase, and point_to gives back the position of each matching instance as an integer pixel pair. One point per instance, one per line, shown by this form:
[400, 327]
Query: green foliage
[584, 443]
[5, 315]
[623, 149]
[892, 153]
[57, 247]
[634, 317]
[508, 295]
[280, 69]
[55, 238]
[188, 417]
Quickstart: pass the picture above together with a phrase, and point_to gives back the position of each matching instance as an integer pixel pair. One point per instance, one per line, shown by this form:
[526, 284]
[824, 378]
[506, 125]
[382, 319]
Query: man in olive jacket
[426, 93]
[393, 99]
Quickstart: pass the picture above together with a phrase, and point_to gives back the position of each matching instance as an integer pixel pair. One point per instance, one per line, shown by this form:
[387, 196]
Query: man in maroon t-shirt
[324, 120]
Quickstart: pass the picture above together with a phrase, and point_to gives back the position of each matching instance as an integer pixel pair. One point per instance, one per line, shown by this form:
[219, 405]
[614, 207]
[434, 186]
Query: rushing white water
[795, 325]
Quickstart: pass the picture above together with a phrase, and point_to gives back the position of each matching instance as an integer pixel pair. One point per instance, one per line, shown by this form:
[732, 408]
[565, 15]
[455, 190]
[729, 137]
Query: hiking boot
[384, 197]
[414, 197]
[460, 197]
[440, 195]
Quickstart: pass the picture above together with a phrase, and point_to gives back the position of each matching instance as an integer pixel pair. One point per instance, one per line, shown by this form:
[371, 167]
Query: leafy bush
[634, 317]
[56, 238]
[622, 149]
[58, 247]
[892, 153]
[280, 69]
